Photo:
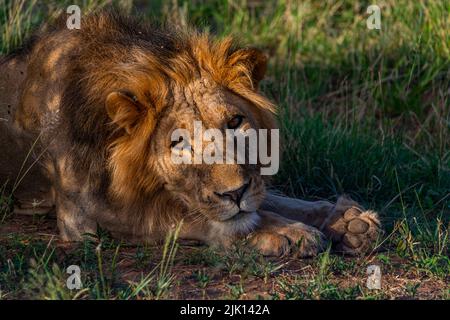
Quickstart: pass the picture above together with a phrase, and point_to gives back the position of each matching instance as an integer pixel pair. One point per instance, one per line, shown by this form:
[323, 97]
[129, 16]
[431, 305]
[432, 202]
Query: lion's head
[150, 93]
[222, 192]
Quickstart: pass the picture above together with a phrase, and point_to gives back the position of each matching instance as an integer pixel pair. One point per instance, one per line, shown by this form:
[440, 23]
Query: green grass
[362, 112]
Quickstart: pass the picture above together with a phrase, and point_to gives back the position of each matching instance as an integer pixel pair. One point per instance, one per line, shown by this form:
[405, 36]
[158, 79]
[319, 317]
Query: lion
[97, 107]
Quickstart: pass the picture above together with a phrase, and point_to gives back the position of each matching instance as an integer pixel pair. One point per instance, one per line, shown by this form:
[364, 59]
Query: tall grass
[16, 20]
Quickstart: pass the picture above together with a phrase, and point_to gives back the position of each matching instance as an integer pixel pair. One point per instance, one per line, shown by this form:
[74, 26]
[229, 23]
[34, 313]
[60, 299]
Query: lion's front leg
[352, 229]
[277, 236]
[74, 202]
[73, 220]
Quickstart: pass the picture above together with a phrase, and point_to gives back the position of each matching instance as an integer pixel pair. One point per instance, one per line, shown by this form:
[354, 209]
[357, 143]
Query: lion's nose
[235, 195]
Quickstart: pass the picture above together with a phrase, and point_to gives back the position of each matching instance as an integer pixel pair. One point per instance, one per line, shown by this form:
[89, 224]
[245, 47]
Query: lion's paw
[295, 238]
[352, 229]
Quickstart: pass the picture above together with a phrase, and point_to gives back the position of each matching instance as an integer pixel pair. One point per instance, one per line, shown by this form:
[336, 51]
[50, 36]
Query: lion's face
[211, 84]
[216, 191]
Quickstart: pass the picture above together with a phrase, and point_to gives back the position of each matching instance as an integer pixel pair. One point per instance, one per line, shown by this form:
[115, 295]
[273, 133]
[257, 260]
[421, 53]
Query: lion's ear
[255, 61]
[124, 110]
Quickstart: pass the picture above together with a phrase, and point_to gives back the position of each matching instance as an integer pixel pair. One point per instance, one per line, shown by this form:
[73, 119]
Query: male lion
[97, 107]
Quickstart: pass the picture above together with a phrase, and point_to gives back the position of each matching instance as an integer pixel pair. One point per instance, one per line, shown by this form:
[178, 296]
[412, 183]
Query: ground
[35, 262]
[362, 112]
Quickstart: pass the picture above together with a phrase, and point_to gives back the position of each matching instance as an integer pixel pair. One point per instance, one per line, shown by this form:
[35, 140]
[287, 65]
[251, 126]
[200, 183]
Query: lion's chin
[238, 216]
[240, 223]
[232, 215]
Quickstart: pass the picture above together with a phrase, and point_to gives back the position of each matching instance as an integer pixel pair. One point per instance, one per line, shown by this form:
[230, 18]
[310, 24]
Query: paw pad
[353, 230]
[357, 226]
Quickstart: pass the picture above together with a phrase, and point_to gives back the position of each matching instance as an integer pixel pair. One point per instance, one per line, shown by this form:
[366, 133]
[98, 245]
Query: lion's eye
[235, 122]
